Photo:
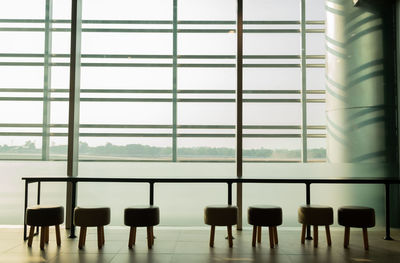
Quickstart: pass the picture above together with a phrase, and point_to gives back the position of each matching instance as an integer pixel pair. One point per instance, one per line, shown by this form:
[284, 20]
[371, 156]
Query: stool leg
[152, 235]
[212, 234]
[315, 236]
[328, 235]
[42, 236]
[47, 235]
[230, 239]
[275, 235]
[259, 234]
[303, 233]
[271, 236]
[99, 239]
[102, 234]
[58, 238]
[149, 237]
[346, 236]
[82, 237]
[31, 233]
[365, 238]
[132, 236]
[254, 236]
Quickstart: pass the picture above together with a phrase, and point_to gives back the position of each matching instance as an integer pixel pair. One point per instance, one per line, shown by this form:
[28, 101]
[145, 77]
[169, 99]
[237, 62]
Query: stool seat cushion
[315, 215]
[356, 216]
[264, 215]
[88, 217]
[40, 215]
[220, 215]
[142, 216]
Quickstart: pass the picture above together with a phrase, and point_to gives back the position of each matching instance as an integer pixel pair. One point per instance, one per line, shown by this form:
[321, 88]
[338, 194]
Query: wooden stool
[91, 217]
[44, 216]
[265, 215]
[356, 216]
[316, 215]
[220, 215]
[141, 216]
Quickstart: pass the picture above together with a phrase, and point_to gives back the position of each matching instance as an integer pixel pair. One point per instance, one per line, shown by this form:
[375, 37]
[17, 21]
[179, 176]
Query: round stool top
[220, 215]
[142, 216]
[315, 215]
[40, 215]
[264, 215]
[356, 216]
[99, 216]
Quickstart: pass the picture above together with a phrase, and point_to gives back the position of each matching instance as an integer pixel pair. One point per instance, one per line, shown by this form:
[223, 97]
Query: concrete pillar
[360, 82]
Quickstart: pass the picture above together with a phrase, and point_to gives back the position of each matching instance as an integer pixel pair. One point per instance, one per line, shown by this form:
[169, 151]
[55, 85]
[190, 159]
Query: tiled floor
[189, 245]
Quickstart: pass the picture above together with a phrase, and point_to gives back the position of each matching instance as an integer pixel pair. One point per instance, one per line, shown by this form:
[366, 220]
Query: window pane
[271, 10]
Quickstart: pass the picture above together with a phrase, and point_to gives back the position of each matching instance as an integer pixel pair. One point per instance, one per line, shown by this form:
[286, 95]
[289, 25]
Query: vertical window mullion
[47, 79]
[174, 79]
[74, 89]
[303, 83]
[239, 109]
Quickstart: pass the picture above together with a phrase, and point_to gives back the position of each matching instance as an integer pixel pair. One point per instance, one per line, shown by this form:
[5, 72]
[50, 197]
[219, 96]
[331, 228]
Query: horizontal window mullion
[248, 160]
[21, 99]
[315, 56]
[20, 90]
[125, 100]
[124, 30]
[22, 55]
[25, 21]
[272, 135]
[125, 22]
[21, 125]
[164, 100]
[316, 135]
[272, 91]
[206, 22]
[206, 160]
[271, 100]
[206, 91]
[185, 22]
[271, 57]
[315, 22]
[145, 65]
[21, 134]
[126, 126]
[315, 31]
[272, 127]
[315, 65]
[206, 126]
[163, 126]
[124, 56]
[229, 31]
[206, 100]
[271, 65]
[272, 22]
[125, 134]
[21, 29]
[316, 91]
[151, 91]
[36, 55]
[27, 64]
[206, 56]
[199, 65]
[271, 31]
[316, 101]
[206, 135]
[316, 127]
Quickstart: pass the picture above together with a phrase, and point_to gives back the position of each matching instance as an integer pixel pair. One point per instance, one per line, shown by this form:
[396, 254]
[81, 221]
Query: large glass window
[158, 80]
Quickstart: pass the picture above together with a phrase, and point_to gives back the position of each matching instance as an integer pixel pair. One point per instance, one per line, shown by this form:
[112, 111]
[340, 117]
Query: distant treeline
[140, 150]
